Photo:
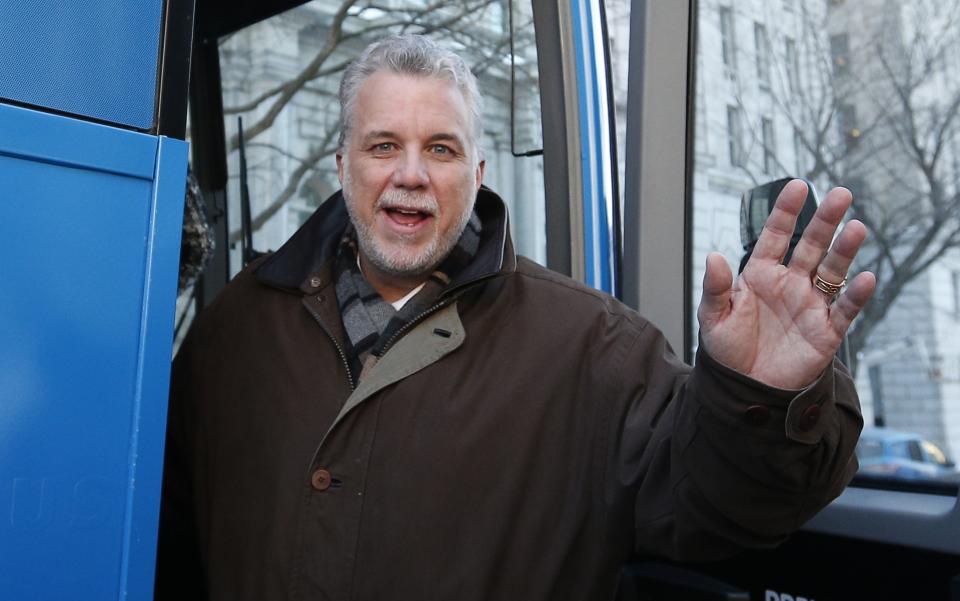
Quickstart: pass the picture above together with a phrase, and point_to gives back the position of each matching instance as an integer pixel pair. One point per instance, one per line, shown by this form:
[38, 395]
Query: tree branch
[294, 85]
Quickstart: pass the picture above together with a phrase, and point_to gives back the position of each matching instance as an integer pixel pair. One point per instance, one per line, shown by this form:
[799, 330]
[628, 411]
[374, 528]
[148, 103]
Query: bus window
[281, 77]
[863, 95]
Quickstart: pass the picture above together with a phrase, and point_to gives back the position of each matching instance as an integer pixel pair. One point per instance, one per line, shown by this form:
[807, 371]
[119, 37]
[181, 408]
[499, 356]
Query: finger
[819, 232]
[717, 288]
[836, 264]
[777, 231]
[849, 304]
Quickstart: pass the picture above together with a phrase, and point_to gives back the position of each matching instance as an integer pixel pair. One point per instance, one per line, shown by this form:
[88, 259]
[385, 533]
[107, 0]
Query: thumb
[717, 288]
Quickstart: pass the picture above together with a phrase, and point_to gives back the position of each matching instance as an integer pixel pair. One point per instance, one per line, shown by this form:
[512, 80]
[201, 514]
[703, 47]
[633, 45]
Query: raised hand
[773, 323]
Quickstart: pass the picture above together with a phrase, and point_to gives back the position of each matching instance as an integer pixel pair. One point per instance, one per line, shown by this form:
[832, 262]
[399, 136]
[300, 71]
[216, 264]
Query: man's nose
[410, 172]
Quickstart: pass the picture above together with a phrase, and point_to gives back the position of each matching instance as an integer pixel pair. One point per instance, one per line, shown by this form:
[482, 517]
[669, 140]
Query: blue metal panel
[96, 58]
[90, 243]
[598, 200]
[156, 337]
[50, 139]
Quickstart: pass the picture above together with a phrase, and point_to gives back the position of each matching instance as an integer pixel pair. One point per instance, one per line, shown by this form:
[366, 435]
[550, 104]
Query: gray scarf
[371, 322]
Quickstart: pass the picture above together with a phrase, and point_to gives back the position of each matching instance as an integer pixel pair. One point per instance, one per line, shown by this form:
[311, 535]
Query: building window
[728, 38]
[955, 158]
[735, 136]
[847, 124]
[769, 146]
[792, 64]
[840, 54]
[762, 46]
[955, 284]
[799, 155]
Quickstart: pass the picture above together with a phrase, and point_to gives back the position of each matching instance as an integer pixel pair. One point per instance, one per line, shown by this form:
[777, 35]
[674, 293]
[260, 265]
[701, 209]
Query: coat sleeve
[714, 462]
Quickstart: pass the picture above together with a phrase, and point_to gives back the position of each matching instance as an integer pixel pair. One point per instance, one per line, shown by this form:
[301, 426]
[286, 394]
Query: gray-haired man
[395, 406]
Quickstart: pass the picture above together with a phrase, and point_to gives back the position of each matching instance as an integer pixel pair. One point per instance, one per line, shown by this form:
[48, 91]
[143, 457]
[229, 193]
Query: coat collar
[304, 261]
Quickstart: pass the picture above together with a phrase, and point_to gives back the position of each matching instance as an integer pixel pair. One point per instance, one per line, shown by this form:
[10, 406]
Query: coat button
[757, 415]
[321, 479]
[809, 418]
[315, 282]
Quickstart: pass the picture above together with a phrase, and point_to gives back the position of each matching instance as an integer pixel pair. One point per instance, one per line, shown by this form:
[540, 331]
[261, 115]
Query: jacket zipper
[397, 334]
[410, 324]
[450, 298]
[343, 355]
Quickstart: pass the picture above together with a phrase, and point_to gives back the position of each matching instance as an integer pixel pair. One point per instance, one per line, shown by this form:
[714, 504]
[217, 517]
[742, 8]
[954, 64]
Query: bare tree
[876, 109]
[351, 26]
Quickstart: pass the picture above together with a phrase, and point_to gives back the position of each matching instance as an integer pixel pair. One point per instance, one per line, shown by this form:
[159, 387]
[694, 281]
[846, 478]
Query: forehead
[410, 106]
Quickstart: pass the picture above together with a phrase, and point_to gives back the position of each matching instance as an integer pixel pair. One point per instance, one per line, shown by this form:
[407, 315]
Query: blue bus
[625, 136]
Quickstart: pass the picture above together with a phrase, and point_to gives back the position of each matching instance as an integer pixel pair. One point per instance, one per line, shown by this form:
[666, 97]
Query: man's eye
[383, 147]
[438, 149]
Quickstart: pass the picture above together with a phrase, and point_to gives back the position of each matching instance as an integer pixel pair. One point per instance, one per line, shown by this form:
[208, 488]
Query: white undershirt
[399, 303]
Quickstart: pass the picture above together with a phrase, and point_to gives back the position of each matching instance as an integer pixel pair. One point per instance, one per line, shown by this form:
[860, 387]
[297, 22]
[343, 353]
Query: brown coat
[518, 443]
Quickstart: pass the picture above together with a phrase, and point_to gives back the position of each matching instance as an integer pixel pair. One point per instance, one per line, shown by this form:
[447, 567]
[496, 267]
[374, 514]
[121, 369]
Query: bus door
[727, 95]
[270, 72]
[93, 172]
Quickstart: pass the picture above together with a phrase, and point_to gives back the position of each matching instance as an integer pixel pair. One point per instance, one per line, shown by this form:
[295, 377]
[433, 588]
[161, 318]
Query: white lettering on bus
[775, 596]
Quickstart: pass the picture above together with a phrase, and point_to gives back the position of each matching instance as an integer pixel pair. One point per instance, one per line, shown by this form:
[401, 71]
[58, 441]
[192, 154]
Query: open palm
[773, 324]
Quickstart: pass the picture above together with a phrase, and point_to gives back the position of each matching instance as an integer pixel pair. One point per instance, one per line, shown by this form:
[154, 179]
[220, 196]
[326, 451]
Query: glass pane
[281, 77]
[618, 31]
[865, 95]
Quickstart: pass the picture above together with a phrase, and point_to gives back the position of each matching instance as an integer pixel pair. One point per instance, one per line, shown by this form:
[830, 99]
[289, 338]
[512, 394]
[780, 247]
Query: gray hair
[410, 55]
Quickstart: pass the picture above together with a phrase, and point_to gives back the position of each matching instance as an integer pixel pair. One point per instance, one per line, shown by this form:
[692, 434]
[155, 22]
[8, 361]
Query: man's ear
[481, 167]
[340, 168]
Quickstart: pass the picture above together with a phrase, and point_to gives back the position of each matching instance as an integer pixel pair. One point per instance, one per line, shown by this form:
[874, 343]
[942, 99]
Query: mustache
[411, 201]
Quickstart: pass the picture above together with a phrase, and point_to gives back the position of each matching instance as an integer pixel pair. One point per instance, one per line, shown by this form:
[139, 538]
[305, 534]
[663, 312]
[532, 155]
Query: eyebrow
[377, 135]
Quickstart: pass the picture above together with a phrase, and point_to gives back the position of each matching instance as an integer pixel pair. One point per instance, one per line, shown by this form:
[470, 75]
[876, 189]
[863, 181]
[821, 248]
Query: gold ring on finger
[828, 288]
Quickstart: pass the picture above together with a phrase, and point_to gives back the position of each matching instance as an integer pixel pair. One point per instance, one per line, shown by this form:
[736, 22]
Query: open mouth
[407, 217]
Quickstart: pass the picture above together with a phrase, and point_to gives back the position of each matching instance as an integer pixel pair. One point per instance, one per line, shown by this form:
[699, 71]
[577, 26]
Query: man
[395, 406]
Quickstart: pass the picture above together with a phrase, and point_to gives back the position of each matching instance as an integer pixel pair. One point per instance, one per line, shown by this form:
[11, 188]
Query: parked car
[884, 452]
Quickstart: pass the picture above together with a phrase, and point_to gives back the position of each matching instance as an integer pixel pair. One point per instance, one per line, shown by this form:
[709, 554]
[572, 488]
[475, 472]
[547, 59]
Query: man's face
[410, 172]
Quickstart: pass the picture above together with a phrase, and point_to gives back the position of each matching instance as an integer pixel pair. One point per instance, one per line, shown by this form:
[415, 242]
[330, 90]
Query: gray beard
[404, 262]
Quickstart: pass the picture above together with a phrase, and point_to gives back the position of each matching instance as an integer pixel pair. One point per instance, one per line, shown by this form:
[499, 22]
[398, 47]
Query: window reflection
[769, 146]
[839, 52]
[792, 65]
[902, 455]
[762, 49]
[866, 95]
[281, 76]
[735, 136]
[728, 38]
